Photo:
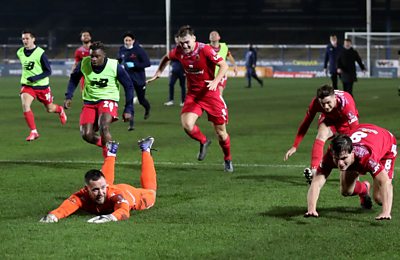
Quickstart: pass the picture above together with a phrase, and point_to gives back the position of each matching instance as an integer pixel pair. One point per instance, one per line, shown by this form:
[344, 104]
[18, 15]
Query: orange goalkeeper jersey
[120, 198]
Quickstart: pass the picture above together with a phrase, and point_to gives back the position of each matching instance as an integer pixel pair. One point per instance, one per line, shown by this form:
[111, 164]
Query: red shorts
[223, 81]
[336, 127]
[212, 102]
[389, 159]
[91, 112]
[43, 95]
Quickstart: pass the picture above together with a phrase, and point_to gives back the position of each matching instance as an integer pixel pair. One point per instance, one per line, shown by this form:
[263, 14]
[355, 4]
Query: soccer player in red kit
[368, 148]
[199, 61]
[338, 115]
[111, 202]
[82, 51]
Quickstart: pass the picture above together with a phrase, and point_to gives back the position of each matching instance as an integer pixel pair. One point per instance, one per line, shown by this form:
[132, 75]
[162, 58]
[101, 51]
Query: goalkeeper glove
[49, 218]
[130, 64]
[102, 219]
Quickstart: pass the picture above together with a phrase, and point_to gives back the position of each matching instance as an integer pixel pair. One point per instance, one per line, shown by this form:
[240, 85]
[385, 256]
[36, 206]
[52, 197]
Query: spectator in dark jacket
[332, 53]
[251, 62]
[347, 67]
[135, 60]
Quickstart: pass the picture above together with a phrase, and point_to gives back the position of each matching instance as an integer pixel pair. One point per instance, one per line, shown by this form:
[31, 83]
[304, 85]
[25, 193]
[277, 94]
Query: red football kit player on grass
[338, 115]
[111, 202]
[35, 82]
[82, 51]
[368, 148]
[199, 61]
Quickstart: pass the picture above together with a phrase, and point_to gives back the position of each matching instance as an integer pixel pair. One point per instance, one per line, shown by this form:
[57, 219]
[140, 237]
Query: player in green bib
[100, 95]
[35, 82]
[222, 49]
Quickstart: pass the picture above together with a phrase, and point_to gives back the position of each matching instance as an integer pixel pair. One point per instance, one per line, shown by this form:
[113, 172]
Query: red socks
[317, 153]
[30, 119]
[226, 148]
[58, 109]
[359, 189]
[196, 134]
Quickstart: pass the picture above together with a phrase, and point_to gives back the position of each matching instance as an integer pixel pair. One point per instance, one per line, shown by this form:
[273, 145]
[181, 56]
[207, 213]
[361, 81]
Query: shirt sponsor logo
[373, 165]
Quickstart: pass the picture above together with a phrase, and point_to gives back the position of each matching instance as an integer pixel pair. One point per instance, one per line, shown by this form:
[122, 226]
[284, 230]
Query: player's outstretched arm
[163, 63]
[233, 62]
[289, 153]
[317, 183]
[385, 189]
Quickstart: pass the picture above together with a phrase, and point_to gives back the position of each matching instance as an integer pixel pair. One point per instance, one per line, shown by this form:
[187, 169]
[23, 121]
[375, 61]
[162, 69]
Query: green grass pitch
[201, 212]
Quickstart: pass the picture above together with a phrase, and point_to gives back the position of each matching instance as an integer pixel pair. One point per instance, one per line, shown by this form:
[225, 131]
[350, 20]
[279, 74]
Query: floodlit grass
[201, 212]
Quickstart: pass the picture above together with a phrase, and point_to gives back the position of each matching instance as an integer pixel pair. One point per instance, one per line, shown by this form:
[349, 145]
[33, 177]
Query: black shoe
[147, 114]
[203, 150]
[248, 87]
[262, 83]
[228, 166]
[131, 128]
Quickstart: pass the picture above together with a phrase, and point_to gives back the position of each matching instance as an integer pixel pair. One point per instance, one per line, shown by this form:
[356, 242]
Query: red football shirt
[371, 144]
[199, 65]
[344, 116]
[80, 53]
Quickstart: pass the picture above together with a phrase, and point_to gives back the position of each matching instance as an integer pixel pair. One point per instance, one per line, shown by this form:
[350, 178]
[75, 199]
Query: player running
[111, 202]
[338, 115]
[199, 61]
[100, 95]
[368, 148]
[82, 51]
[35, 82]
[222, 49]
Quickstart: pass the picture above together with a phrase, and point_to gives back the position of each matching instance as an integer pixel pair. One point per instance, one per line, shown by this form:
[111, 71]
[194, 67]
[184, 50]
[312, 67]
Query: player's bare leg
[105, 121]
[188, 121]
[88, 134]
[27, 100]
[54, 108]
[225, 143]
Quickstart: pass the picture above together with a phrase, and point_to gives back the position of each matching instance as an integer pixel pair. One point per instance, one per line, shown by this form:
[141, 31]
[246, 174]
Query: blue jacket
[140, 60]
[332, 55]
[251, 58]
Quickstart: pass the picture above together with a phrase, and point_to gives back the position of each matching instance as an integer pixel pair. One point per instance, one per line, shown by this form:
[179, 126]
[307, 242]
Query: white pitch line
[245, 165]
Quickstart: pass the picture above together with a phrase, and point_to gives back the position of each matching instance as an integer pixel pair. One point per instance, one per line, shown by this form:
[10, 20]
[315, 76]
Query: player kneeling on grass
[368, 149]
[111, 202]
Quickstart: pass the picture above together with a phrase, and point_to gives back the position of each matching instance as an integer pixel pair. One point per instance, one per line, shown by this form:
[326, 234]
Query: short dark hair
[348, 40]
[128, 34]
[93, 175]
[28, 31]
[341, 143]
[97, 46]
[325, 91]
[185, 30]
[333, 35]
[85, 31]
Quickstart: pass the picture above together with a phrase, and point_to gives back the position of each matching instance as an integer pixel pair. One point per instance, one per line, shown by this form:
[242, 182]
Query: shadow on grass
[291, 213]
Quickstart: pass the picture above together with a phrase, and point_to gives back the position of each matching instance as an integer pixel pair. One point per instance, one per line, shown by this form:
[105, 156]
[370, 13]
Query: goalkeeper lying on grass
[111, 202]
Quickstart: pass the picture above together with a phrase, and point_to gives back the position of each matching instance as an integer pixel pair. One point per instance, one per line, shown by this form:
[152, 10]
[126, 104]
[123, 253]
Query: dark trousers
[348, 87]
[251, 73]
[172, 80]
[334, 79]
[141, 95]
